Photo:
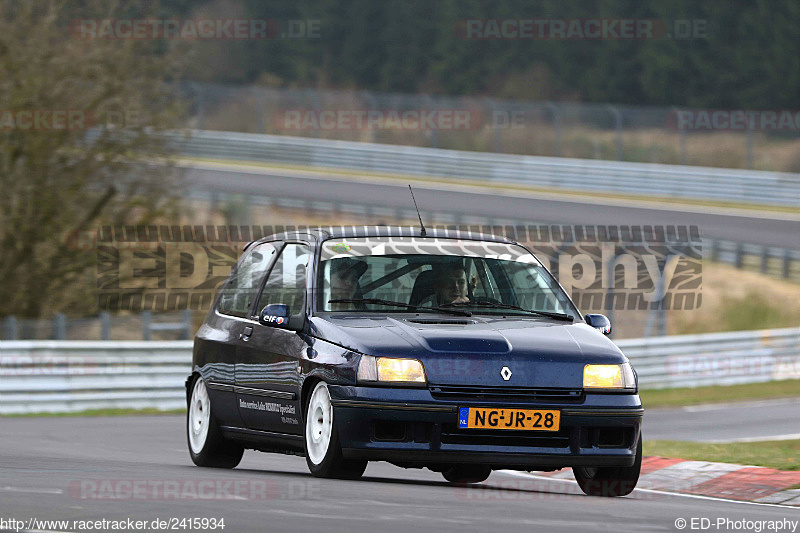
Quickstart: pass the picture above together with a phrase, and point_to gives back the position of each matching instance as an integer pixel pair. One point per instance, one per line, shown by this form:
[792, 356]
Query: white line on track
[732, 405]
[31, 490]
[790, 436]
[654, 491]
[378, 517]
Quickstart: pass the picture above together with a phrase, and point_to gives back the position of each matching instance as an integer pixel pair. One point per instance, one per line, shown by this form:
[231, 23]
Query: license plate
[517, 419]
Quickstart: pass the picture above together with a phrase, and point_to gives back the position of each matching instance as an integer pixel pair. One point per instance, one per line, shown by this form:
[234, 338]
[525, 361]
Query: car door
[267, 357]
[218, 338]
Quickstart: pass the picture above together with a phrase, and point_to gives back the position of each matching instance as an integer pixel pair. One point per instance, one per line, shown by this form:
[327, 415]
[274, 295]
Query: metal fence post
[11, 328]
[262, 109]
[611, 267]
[556, 126]
[187, 322]
[713, 249]
[495, 129]
[201, 106]
[373, 134]
[682, 135]
[787, 262]
[59, 327]
[618, 127]
[658, 314]
[683, 147]
[147, 317]
[105, 325]
[434, 132]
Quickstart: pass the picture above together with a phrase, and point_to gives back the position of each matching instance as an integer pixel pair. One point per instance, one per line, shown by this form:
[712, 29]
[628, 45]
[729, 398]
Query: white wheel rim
[199, 416]
[319, 423]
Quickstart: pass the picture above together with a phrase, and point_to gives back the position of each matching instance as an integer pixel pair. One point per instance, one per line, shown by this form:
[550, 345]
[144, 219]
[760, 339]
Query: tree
[58, 178]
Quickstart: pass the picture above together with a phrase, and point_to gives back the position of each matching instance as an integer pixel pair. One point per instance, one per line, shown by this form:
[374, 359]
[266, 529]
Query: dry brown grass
[725, 149]
[738, 300]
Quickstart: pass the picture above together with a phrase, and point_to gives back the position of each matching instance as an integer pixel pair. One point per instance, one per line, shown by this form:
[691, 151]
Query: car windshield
[394, 274]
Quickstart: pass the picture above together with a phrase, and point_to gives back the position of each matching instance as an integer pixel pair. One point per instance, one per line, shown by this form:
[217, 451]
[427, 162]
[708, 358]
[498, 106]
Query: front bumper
[411, 428]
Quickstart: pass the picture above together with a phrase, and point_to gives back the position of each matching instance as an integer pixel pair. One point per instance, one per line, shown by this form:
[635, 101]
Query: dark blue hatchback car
[453, 351]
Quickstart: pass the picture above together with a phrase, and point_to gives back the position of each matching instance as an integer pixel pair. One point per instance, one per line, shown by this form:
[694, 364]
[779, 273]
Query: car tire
[610, 481]
[207, 446]
[467, 473]
[323, 450]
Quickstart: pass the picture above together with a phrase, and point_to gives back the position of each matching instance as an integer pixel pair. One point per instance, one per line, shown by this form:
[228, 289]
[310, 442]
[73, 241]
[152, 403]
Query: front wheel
[467, 473]
[323, 451]
[207, 446]
[610, 481]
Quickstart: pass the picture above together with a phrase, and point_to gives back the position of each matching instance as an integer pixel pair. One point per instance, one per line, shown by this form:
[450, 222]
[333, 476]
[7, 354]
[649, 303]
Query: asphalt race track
[781, 230]
[86, 468]
[751, 421]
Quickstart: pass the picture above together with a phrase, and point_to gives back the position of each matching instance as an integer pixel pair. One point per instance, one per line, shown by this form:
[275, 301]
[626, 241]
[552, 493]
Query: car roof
[341, 232]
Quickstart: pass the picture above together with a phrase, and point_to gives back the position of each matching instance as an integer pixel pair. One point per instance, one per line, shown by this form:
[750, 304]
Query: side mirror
[275, 315]
[599, 322]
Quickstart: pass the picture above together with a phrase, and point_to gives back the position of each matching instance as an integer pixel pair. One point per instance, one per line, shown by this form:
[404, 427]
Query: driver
[450, 285]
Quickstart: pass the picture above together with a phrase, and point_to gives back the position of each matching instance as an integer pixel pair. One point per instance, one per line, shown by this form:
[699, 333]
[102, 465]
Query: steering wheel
[486, 300]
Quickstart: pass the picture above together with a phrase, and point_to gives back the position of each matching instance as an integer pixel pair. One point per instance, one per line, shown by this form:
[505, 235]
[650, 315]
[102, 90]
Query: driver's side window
[242, 287]
[286, 283]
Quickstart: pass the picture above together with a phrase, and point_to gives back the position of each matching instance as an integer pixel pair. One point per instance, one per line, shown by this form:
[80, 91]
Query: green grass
[102, 412]
[720, 394]
[781, 454]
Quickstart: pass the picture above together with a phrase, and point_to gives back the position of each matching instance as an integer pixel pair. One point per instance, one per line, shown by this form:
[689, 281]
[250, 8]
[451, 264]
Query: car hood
[473, 351]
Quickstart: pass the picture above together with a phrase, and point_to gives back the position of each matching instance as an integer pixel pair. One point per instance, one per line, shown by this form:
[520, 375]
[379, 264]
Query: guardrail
[553, 173]
[715, 358]
[65, 376]
[69, 376]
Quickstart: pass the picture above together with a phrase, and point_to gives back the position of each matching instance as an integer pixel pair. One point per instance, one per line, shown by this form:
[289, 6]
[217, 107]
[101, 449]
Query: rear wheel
[207, 446]
[323, 451]
[467, 473]
[610, 481]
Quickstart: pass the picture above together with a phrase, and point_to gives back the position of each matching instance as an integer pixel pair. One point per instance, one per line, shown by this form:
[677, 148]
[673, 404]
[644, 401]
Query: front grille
[452, 434]
[506, 394]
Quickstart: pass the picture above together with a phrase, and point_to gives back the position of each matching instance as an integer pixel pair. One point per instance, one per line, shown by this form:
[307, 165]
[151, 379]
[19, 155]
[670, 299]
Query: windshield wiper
[378, 301]
[496, 305]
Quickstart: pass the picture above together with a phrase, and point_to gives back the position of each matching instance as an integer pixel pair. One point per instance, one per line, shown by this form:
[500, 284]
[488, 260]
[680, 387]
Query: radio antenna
[421, 225]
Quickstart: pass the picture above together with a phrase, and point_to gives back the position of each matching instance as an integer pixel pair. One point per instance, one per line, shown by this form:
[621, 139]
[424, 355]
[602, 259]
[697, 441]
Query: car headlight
[608, 377]
[390, 370]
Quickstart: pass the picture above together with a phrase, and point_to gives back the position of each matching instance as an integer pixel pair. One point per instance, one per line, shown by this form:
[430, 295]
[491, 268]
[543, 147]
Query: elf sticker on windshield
[340, 247]
[274, 319]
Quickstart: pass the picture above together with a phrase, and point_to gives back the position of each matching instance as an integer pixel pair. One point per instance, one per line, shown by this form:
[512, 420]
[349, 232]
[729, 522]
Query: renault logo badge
[505, 373]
